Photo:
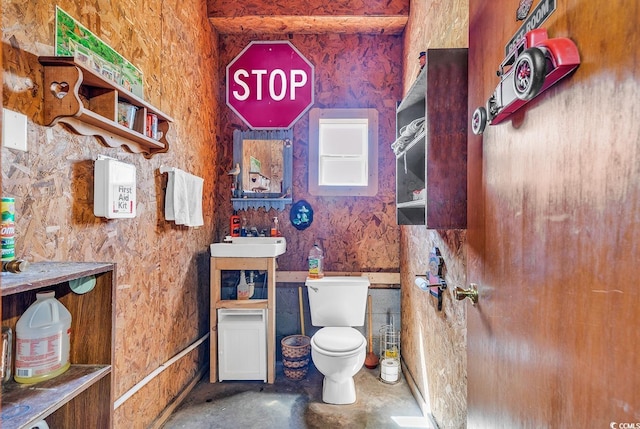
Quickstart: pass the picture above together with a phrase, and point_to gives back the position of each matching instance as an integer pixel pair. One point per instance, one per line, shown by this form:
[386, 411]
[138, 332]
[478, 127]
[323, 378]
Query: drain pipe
[129, 393]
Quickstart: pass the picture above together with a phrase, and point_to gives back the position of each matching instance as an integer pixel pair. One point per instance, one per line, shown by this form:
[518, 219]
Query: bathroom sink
[250, 247]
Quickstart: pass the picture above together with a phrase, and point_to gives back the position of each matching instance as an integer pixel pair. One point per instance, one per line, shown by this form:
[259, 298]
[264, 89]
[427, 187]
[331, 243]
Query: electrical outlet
[14, 130]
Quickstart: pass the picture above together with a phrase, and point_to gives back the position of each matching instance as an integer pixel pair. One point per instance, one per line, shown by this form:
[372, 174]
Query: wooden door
[554, 230]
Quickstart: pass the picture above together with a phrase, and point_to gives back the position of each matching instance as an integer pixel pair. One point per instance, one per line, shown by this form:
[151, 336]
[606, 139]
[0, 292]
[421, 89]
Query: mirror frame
[266, 200]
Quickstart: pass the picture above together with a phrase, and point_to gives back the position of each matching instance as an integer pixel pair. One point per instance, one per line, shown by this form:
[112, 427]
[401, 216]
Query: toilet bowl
[338, 353]
[338, 350]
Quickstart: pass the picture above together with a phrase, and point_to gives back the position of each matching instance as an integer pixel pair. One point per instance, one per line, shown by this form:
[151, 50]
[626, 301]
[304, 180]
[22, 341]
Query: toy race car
[535, 64]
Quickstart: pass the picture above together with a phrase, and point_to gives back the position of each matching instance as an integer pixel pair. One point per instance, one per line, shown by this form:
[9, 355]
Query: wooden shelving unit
[235, 264]
[83, 395]
[435, 159]
[88, 103]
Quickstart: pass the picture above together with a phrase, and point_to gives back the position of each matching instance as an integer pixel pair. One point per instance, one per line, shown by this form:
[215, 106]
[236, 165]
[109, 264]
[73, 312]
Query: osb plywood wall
[162, 282]
[434, 342]
[351, 71]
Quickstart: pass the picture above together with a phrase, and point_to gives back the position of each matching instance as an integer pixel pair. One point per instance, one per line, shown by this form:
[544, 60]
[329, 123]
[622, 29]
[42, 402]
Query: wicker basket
[296, 350]
[296, 373]
[296, 346]
[295, 363]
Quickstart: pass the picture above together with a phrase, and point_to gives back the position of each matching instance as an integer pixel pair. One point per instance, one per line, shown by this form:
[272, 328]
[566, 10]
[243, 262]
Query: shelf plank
[377, 280]
[417, 204]
[44, 274]
[112, 133]
[243, 303]
[236, 264]
[24, 405]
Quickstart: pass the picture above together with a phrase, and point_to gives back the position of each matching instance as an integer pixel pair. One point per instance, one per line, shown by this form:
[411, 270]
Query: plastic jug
[43, 335]
[315, 262]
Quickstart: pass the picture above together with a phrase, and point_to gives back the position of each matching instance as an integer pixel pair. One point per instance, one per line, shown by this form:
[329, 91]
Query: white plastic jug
[43, 335]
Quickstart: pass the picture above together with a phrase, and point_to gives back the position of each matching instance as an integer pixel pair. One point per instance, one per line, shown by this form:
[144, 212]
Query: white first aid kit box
[114, 189]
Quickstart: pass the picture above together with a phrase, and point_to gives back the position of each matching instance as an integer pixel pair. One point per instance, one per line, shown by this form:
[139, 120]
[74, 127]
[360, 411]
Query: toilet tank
[338, 300]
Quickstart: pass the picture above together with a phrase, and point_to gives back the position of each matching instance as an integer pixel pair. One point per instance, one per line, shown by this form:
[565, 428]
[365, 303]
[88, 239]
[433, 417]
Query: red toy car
[535, 64]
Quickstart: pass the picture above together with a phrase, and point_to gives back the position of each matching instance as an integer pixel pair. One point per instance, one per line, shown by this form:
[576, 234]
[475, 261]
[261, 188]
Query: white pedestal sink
[250, 247]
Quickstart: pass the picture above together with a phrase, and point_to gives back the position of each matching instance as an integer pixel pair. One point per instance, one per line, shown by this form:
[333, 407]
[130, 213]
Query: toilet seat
[338, 341]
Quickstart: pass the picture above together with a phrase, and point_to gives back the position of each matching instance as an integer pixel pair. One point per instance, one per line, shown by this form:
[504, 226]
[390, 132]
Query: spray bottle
[243, 288]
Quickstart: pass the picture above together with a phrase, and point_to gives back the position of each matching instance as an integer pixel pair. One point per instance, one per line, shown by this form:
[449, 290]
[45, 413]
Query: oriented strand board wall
[162, 284]
[433, 342]
[358, 234]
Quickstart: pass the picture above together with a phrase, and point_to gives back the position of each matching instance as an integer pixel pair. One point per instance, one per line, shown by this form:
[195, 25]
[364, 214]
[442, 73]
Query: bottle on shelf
[243, 289]
[251, 284]
[243, 227]
[316, 257]
[42, 340]
[234, 224]
[275, 228]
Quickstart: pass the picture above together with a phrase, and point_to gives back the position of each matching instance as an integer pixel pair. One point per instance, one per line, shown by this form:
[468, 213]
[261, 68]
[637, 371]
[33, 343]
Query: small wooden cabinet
[262, 264]
[431, 145]
[88, 103]
[81, 397]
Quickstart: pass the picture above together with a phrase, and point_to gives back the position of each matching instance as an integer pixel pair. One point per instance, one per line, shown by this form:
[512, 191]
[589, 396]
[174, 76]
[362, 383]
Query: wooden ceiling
[309, 16]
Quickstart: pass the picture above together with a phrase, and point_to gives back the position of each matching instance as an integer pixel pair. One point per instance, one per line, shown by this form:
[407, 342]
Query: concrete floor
[297, 405]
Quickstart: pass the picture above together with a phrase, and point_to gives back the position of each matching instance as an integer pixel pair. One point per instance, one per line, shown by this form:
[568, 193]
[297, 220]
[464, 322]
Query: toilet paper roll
[389, 370]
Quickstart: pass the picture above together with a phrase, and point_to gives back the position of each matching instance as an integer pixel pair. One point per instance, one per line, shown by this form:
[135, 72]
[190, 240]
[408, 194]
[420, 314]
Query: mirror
[265, 159]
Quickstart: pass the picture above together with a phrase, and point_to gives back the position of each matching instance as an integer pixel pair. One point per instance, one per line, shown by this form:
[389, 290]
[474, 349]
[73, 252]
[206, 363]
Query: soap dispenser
[275, 229]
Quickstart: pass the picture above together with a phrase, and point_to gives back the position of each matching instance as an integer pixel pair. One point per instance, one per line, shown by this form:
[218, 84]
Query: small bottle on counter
[234, 224]
[275, 229]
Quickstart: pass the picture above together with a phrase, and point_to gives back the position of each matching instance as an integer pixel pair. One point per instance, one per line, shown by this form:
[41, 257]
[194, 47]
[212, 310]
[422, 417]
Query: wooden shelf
[257, 202]
[243, 303]
[46, 397]
[83, 395]
[88, 103]
[435, 160]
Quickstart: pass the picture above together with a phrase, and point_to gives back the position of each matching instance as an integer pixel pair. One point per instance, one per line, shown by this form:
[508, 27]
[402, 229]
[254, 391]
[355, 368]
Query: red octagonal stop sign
[270, 85]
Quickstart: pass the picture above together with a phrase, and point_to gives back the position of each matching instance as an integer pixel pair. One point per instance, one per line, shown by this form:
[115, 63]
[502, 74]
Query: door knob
[471, 293]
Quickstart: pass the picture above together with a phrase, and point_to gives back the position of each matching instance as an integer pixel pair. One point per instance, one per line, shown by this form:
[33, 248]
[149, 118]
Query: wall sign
[270, 85]
[75, 40]
[539, 15]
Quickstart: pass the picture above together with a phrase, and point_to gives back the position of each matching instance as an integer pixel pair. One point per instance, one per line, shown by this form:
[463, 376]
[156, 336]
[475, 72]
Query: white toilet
[338, 350]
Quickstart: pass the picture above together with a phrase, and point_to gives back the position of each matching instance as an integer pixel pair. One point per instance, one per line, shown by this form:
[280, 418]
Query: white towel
[183, 200]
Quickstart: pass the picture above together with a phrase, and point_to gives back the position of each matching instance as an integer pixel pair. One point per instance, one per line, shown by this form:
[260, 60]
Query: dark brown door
[554, 230]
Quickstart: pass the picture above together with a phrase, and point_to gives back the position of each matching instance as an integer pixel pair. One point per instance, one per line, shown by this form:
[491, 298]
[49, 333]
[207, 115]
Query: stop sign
[270, 85]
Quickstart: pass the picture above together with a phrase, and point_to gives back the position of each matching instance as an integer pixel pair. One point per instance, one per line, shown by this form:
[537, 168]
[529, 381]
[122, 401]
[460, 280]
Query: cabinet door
[242, 344]
[446, 145]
